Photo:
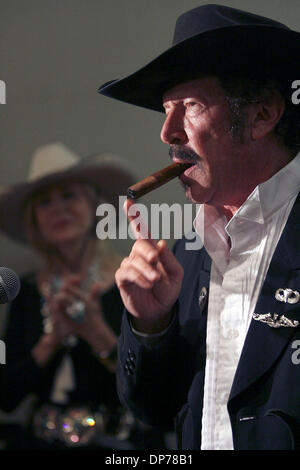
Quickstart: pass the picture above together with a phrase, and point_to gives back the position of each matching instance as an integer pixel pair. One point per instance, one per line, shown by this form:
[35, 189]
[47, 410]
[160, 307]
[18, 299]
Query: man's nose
[172, 131]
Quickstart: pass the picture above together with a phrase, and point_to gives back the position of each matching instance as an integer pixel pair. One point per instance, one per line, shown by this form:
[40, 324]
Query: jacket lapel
[264, 344]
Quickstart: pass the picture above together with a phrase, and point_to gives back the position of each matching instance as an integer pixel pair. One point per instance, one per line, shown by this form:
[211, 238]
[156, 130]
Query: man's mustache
[183, 154]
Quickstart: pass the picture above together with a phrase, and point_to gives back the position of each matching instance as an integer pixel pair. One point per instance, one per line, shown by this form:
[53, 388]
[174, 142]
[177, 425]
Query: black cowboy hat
[210, 40]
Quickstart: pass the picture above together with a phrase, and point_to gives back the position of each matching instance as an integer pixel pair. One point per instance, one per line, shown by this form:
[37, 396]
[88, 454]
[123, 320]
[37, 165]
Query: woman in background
[62, 330]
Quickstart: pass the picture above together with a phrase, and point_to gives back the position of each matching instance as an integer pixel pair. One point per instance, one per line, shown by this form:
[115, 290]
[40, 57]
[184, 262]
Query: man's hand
[149, 281]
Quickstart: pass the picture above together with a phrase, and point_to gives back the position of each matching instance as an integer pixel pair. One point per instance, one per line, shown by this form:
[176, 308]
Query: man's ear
[267, 114]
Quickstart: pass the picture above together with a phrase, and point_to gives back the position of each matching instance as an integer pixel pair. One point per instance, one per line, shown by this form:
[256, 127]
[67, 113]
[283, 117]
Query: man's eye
[190, 104]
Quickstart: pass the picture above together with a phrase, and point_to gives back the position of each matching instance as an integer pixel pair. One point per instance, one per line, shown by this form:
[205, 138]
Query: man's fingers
[147, 264]
[131, 275]
[137, 224]
[169, 262]
[142, 267]
[146, 250]
[149, 261]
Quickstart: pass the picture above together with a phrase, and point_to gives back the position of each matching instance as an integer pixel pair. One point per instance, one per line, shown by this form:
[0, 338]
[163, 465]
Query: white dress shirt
[241, 251]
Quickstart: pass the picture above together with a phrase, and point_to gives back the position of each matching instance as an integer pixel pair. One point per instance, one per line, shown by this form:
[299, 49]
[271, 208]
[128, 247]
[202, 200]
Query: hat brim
[110, 180]
[258, 50]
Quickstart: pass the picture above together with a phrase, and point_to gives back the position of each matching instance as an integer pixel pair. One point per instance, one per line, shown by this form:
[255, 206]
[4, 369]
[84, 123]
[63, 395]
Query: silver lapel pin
[202, 298]
[287, 296]
[275, 320]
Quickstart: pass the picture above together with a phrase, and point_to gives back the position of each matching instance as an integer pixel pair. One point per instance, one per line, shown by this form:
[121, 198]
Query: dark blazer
[164, 381]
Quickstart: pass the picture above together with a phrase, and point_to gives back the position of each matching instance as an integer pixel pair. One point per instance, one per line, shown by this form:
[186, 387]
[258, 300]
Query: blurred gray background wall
[53, 56]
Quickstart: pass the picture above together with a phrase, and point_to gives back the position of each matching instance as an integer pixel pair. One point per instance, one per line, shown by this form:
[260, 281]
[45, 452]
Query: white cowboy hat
[53, 163]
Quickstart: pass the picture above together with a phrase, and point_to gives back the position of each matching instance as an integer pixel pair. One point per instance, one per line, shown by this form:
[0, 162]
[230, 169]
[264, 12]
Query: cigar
[156, 180]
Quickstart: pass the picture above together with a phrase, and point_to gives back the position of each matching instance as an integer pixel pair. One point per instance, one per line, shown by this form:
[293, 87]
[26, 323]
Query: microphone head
[9, 285]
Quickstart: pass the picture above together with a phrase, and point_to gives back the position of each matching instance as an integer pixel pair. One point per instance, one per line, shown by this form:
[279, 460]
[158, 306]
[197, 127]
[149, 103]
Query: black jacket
[164, 382]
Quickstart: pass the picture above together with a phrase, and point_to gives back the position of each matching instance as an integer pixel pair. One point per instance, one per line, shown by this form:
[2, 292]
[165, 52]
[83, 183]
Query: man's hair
[242, 91]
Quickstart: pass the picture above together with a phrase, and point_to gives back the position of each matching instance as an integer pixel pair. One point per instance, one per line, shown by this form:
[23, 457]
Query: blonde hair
[33, 235]
[103, 254]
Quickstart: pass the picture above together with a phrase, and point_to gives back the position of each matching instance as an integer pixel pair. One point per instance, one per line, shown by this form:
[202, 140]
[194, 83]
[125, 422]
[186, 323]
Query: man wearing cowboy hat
[210, 336]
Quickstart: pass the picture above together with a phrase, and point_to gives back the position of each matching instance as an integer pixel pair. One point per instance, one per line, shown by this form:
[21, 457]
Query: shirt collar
[265, 200]
[269, 196]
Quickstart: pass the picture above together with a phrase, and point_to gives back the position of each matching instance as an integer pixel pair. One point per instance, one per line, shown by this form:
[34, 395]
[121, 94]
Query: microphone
[9, 285]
